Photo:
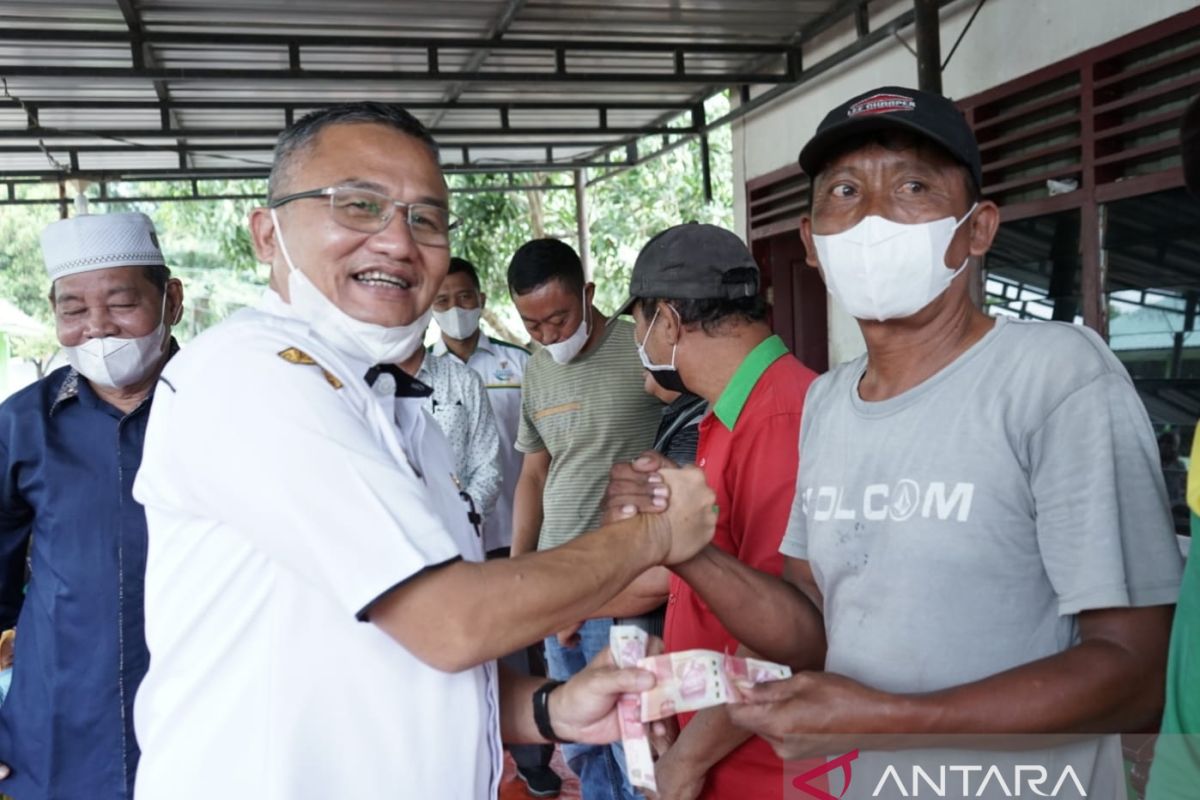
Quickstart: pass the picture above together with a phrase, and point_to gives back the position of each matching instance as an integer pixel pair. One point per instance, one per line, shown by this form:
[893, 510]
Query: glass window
[1152, 289]
[1032, 270]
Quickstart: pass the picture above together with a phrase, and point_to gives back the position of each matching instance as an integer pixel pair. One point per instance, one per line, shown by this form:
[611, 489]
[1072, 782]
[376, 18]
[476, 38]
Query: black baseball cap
[693, 261]
[926, 114]
[1189, 140]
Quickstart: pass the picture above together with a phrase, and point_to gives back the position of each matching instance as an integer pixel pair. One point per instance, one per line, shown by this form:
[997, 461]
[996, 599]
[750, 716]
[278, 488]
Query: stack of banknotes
[686, 681]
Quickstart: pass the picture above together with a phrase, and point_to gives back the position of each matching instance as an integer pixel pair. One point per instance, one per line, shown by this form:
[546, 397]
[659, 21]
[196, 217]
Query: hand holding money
[628, 645]
[685, 681]
[694, 679]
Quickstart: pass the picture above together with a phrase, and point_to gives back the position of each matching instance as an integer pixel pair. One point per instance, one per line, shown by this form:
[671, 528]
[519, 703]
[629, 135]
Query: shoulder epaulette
[294, 355]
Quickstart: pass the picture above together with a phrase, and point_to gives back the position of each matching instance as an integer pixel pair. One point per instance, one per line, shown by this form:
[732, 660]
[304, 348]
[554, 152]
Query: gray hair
[300, 135]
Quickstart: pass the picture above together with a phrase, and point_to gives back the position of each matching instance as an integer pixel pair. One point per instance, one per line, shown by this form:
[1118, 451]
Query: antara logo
[804, 782]
[882, 104]
[973, 780]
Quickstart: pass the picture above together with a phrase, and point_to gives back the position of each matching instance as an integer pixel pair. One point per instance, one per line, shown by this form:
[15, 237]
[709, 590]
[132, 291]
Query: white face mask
[116, 363]
[458, 323]
[665, 375]
[562, 352]
[364, 341]
[882, 270]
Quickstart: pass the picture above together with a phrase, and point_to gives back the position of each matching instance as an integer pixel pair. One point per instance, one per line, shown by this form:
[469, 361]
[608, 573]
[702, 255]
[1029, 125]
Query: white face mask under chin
[117, 363]
[562, 352]
[881, 270]
[362, 341]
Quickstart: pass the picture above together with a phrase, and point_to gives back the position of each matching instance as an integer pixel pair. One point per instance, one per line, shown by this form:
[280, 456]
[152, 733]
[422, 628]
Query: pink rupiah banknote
[694, 679]
[628, 645]
[685, 681]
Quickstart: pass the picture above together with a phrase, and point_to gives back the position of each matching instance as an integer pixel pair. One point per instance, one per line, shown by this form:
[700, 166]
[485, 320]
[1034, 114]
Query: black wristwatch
[541, 712]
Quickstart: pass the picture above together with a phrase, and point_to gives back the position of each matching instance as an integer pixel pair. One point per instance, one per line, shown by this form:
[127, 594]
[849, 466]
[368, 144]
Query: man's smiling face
[385, 278]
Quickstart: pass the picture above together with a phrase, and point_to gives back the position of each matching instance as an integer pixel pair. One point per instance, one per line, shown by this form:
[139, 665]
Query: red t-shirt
[749, 451]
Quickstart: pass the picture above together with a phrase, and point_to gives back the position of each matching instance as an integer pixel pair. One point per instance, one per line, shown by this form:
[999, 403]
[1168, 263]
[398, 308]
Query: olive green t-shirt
[589, 414]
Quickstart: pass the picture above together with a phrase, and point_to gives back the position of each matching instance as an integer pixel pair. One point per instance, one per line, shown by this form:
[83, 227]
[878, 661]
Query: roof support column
[581, 223]
[929, 46]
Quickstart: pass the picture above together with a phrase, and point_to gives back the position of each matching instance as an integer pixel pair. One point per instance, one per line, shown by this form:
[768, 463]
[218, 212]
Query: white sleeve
[275, 452]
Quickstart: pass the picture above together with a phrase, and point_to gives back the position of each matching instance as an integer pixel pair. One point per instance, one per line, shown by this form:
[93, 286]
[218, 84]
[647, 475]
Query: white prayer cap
[100, 241]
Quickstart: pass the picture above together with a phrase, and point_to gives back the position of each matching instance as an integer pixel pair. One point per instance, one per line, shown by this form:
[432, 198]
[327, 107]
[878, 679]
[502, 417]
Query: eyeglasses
[366, 211]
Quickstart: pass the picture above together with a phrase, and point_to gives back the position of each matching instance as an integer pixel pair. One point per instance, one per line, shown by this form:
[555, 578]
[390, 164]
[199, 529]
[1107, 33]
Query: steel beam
[498, 28]
[281, 75]
[929, 45]
[225, 173]
[266, 147]
[12, 200]
[285, 40]
[271, 134]
[412, 105]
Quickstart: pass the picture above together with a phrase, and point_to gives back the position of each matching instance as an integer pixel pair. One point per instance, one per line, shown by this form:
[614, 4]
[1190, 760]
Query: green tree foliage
[23, 280]
[624, 211]
[206, 244]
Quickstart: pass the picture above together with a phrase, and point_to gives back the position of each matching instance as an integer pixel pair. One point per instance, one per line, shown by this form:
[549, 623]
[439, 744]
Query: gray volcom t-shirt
[957, 529]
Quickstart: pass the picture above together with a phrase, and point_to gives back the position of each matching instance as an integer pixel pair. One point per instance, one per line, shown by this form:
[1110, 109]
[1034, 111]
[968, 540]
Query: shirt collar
[273, 303]
[69, 390]
[733, 399]
[484, 343]
[426, 367]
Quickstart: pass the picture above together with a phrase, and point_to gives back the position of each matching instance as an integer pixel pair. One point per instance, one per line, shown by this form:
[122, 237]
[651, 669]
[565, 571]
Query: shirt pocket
[558, 420]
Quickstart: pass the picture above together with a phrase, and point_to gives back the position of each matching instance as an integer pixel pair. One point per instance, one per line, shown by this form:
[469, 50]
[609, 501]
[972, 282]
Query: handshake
[676, 504]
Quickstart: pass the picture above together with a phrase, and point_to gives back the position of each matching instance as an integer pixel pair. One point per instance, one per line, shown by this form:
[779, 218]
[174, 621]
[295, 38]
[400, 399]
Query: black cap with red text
[928, 115]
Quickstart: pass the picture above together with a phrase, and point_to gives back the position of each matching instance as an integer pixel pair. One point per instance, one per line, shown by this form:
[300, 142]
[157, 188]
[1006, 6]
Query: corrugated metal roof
[187, 88]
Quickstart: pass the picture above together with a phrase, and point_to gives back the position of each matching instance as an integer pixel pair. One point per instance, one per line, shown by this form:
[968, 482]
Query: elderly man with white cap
[70, 446]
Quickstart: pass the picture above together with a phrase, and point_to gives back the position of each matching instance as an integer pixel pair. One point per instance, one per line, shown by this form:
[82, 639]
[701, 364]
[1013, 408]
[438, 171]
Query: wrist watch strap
[541, 712]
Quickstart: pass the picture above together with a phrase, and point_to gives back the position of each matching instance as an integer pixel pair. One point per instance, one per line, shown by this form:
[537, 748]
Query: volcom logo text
[896, 502]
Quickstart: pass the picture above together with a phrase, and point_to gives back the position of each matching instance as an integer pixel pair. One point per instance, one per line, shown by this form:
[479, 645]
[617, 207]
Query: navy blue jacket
[67, 464]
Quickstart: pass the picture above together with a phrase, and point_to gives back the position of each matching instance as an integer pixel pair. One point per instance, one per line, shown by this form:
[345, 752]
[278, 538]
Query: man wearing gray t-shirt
[980, 541]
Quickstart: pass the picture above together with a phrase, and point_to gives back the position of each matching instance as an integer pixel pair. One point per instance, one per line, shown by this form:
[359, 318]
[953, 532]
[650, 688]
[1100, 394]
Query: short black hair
[712, 315]
[895, 139]
[540, 261]
[300, 135]
[158, 275]
[458, 265]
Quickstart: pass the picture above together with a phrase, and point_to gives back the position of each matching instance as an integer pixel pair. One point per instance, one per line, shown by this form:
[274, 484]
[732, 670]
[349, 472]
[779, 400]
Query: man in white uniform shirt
[457, 307]
[320, 619]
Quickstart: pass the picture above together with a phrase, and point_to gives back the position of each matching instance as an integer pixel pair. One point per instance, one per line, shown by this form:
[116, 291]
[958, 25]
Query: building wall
[1008, 39]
